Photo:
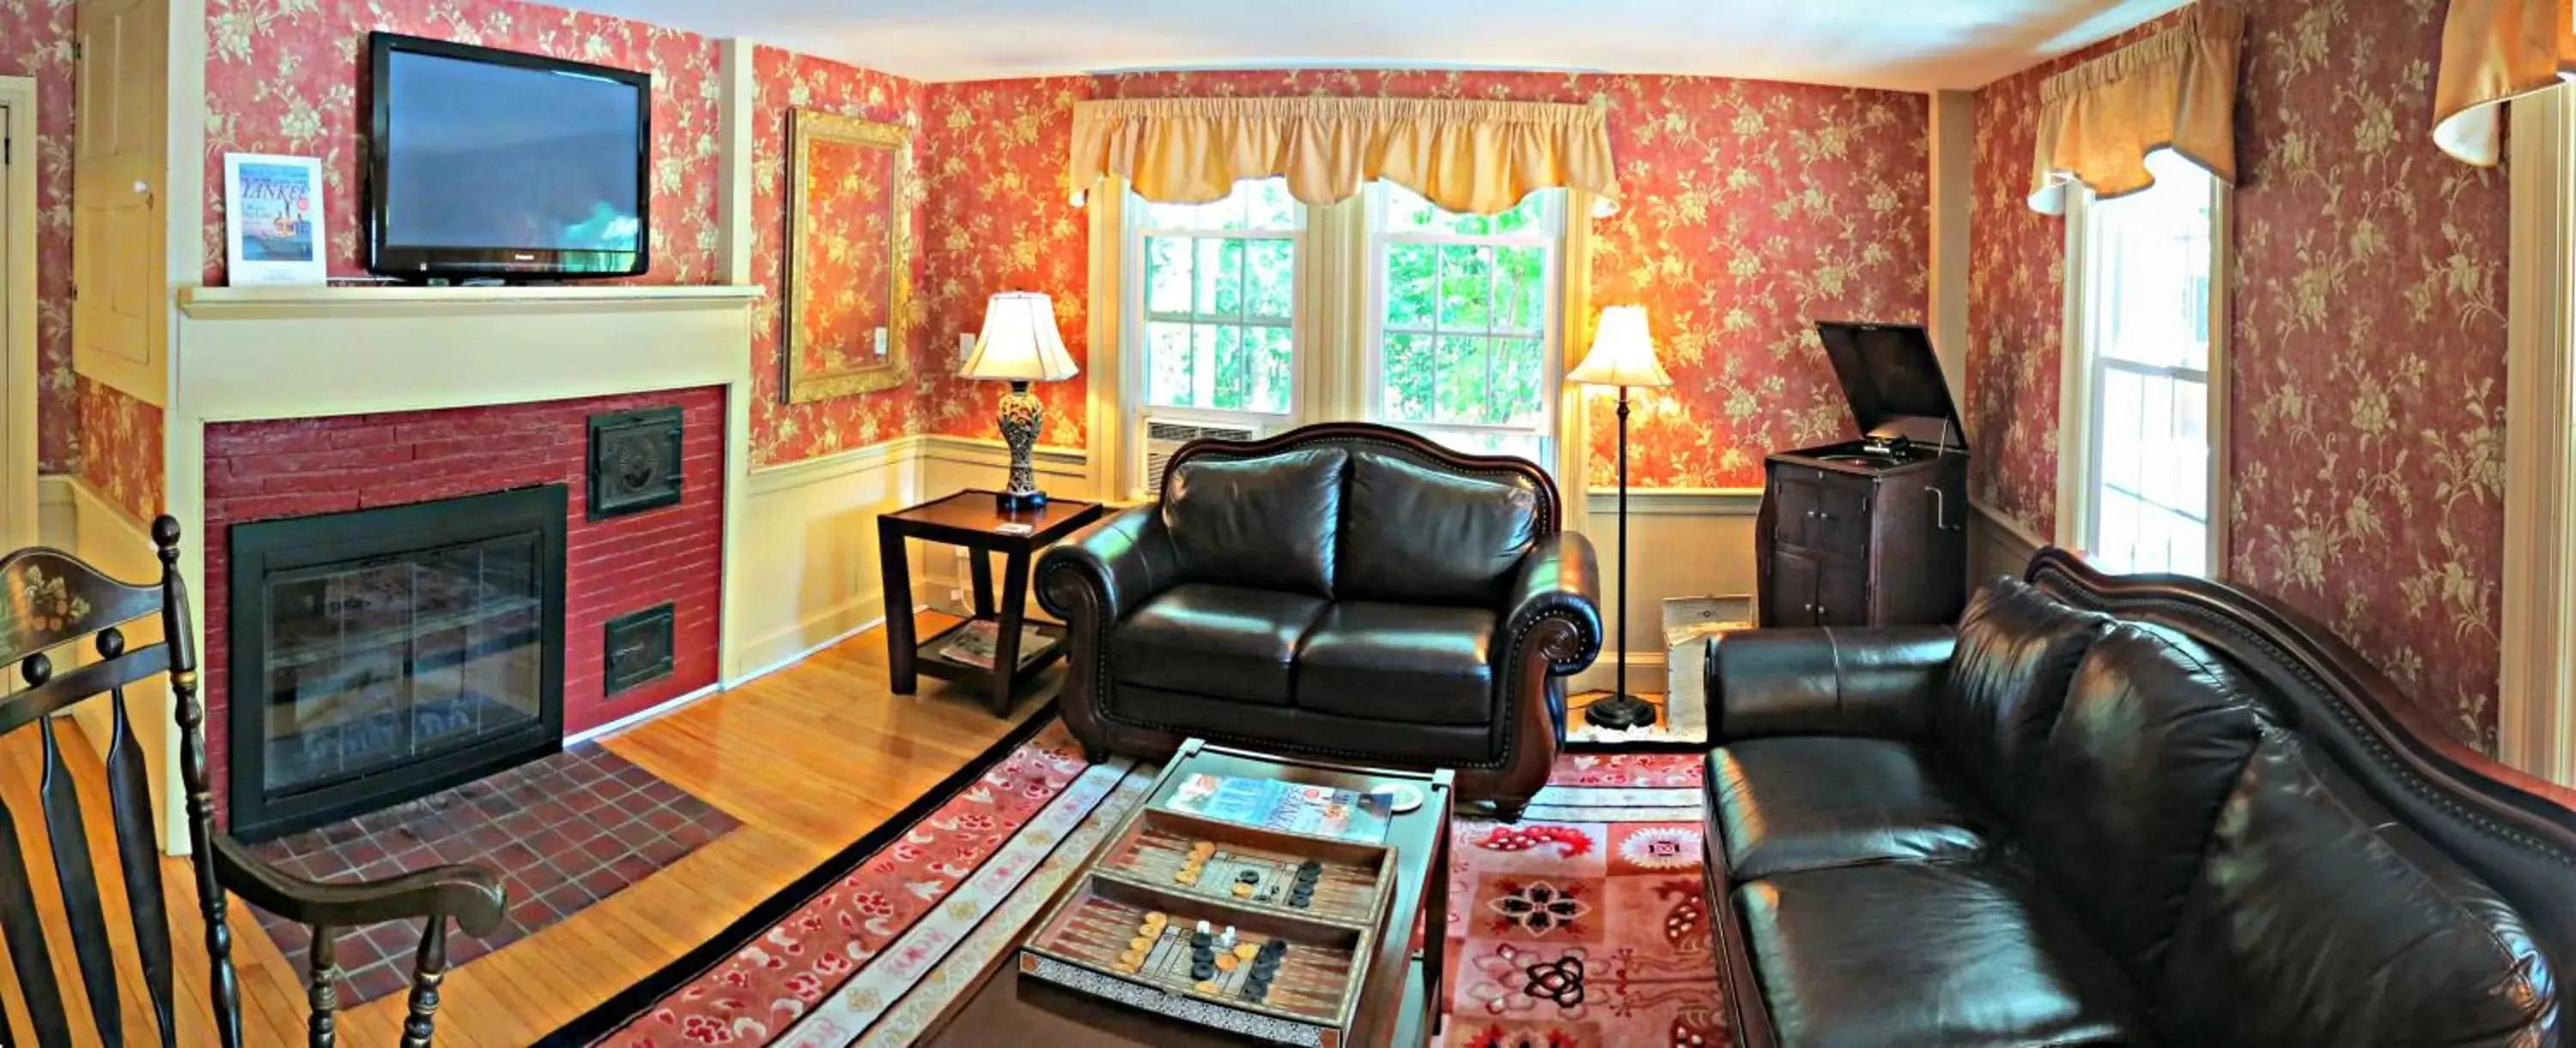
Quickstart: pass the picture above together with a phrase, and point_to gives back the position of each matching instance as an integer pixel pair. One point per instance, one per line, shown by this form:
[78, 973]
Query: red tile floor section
[561, 833]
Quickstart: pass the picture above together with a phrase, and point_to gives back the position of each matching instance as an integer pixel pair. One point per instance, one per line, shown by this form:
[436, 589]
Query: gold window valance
[2174, 90]
[1466, 156]
[2493, 50]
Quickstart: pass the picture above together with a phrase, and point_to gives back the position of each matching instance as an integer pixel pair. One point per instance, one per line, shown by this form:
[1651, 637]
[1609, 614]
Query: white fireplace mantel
[251, 353]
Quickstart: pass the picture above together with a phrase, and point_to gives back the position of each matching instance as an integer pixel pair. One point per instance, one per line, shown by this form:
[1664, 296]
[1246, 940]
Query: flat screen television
[496, 164]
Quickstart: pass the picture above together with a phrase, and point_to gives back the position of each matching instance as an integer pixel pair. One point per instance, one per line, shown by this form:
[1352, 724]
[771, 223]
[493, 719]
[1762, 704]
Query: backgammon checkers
[1191, 866]
[1302, 894]
[1148, 931]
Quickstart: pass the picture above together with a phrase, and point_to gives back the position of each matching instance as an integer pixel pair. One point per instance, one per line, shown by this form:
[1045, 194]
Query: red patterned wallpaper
[36, 41]
[2367, 341]
[783, 432]
[1753, 208]
[289, 76]
[263, 470]
[120, 440]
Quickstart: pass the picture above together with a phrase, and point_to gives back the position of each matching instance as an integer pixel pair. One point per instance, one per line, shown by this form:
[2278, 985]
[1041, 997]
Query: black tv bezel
[416, 263]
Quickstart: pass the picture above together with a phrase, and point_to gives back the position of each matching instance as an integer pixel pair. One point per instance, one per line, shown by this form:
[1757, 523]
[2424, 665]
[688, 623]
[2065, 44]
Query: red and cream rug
[1581, 925]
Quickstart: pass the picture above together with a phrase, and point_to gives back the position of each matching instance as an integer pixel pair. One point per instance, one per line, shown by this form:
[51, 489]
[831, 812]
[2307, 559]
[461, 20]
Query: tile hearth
[561, 833]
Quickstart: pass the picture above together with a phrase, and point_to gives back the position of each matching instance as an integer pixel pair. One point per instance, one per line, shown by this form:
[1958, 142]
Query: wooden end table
[971, 519]
[1398, 1002]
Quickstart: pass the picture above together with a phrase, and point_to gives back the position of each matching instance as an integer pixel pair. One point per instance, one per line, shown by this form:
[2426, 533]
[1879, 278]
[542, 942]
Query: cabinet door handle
[1941, 512]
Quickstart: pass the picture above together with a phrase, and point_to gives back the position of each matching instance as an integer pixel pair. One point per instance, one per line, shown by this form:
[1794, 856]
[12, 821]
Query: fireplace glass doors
[383, 654]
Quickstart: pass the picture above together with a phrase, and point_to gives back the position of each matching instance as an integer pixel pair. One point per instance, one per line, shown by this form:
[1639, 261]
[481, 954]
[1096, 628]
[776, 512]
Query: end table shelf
[972, 519]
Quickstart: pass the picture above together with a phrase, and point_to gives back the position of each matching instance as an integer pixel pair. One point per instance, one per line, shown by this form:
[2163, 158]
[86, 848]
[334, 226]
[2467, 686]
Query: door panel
[1791, 600]
[1842, 591]
[120, 246]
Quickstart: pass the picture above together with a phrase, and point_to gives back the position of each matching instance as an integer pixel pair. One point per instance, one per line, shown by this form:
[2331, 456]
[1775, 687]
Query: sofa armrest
[1124, 560]
[1874, 680]
[1559, 581]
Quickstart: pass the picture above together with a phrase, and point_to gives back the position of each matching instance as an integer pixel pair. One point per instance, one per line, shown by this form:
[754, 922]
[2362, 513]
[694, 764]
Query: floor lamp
[1622, 356]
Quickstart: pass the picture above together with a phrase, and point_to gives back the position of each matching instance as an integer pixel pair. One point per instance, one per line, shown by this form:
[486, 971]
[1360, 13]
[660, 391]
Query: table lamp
[1623, 355]
[1019, 344]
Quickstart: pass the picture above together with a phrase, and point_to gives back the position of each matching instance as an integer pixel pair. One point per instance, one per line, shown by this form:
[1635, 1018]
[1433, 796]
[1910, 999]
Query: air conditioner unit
[1164, 437]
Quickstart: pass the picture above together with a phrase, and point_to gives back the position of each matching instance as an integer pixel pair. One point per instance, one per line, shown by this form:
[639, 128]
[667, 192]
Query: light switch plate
[880, 341]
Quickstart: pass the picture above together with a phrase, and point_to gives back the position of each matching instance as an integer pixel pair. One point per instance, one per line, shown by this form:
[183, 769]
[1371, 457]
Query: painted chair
[50, 602]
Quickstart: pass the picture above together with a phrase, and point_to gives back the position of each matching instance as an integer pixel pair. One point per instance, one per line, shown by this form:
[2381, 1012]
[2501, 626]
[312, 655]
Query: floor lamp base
[1619, 713]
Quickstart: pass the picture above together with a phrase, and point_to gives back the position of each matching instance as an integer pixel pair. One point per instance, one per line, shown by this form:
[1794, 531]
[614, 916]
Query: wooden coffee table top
[1027, 1013]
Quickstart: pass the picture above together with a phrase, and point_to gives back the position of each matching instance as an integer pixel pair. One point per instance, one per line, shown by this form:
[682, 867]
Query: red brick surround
[299, 467]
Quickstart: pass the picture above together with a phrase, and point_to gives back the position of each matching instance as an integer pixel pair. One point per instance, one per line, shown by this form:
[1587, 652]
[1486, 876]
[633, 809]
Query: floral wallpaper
[2367, 343]
[36, 41]
[289, 76]
[120, 440]
[783, 432]
[1726, 180]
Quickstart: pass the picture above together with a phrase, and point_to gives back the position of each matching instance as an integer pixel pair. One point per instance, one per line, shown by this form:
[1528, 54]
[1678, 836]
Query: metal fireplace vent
[638, 647]
[634, 461]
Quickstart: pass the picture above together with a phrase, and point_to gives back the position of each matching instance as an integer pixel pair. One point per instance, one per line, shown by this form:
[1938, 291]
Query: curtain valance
[2493, 50]
[2174, 90]
[1466, 156]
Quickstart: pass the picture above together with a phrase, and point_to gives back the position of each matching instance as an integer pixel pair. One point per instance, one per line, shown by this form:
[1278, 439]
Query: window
[2145, 343]
[1464, 311]
[1220, 289]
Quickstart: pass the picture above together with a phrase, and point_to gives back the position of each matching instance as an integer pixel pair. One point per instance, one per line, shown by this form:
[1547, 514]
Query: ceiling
[1901, 44]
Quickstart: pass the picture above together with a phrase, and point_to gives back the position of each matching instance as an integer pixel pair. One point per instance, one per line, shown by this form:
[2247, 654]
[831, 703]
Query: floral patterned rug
[1580, 925]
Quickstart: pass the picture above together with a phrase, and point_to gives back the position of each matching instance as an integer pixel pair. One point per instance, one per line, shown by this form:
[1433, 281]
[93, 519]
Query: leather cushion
[1226, 642]
[1810, 802]
[1262, 523]
[2320, 919]
[2017, 649]
[1396, 662]
[1929, 953]
[1419, 535]
[1289, 730]
[2155, 731]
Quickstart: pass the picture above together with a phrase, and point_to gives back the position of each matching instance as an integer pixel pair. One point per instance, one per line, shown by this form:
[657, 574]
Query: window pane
[2122, 397]
[1412, 274]
[1519, 395]
[1203, 364]
[1466, 275]
[1520, 290]
[1406, 377]
[1167, 374]
[1273, 368]
[1462, 379]
[1220, 276]
[1273, 276]
[1167, 275]
[1267, 204]
[1233, 369]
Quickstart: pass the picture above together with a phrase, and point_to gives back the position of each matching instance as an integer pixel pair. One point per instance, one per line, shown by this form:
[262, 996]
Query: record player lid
[1892, 380]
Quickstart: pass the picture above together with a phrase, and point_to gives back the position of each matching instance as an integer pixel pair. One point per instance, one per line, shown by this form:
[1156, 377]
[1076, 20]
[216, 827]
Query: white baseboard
[640, 716]
[793, 645]
[1645, 673]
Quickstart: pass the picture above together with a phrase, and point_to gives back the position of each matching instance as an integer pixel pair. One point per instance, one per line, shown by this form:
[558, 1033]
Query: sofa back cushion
[2016, 650]
[1262, 523]
[1414, 534]
[2154, 733]
[2318, 917]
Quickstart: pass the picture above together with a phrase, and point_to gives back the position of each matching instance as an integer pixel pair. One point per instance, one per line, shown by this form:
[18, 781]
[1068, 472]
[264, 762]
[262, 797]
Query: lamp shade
[1020, 342]
[1623, 353]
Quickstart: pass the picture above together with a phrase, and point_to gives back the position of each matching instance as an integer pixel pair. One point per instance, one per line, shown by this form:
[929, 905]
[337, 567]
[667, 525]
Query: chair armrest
[1124, 560]
[469, 894]
[1559, 581]
[1876, 680]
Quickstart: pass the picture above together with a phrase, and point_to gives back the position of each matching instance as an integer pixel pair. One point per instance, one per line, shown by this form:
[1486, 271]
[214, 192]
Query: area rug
[1580, 925]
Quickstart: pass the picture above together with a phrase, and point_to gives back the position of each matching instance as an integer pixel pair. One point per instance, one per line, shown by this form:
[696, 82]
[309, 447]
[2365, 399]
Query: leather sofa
[2111, 810]
[1343, 591]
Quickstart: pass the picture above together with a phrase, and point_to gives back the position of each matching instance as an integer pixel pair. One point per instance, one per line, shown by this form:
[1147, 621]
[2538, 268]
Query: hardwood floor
[809, 758]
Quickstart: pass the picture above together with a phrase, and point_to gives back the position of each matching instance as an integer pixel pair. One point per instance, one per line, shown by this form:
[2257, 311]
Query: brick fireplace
[616, 568]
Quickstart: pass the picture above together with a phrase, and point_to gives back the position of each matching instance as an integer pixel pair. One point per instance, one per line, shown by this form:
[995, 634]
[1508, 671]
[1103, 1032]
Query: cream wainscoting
[1688, 542]
[1997, 545]
[807, 550]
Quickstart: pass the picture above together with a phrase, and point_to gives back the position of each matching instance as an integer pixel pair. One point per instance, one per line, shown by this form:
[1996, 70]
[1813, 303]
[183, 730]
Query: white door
[17, 361]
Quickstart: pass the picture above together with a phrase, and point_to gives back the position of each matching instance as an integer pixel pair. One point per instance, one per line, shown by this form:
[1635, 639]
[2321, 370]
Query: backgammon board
[1254, 932]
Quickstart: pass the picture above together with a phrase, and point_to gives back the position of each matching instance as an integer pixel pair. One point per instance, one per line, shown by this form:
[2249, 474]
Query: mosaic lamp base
[1022, 414]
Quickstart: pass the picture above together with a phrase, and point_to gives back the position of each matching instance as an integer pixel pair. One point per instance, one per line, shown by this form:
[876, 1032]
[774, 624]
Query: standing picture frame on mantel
[848, 281]
[273, 220]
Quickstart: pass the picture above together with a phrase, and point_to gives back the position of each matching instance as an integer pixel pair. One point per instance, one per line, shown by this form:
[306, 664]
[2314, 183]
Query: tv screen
[493, 163]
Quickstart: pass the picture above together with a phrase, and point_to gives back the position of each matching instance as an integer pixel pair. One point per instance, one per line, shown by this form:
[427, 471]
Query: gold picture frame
[848, 281]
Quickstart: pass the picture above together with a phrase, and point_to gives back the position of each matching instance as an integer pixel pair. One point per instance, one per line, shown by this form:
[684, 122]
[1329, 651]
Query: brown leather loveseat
[2119, 810]
[1343, 591]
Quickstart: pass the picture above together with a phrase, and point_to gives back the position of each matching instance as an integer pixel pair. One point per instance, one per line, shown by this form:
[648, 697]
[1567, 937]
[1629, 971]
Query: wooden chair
[49, 599]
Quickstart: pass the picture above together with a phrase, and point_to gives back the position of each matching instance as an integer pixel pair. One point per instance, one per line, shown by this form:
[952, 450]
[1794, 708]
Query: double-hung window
[1463, 311]
[2146, 340]
[1218, 310]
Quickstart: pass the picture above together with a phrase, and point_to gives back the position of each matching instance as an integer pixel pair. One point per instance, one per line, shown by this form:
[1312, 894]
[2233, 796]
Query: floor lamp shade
[1623, 357]
[1020, 344]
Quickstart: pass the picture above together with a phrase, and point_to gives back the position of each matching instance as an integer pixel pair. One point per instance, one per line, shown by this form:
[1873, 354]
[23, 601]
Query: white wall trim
[640, 716]
[883, 454]
[2537, 677]
[1647, 671]
[773, 653]
[18, 216]
[1050, 460]
[1676, 502]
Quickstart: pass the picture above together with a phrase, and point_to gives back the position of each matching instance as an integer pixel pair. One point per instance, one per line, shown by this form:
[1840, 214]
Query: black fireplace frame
[261, 547]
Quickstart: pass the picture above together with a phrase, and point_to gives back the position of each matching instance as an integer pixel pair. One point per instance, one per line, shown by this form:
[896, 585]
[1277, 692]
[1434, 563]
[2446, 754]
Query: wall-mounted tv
[496, 164]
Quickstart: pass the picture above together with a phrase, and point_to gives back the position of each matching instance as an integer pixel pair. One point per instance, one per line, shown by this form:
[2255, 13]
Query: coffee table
[1395, 1003]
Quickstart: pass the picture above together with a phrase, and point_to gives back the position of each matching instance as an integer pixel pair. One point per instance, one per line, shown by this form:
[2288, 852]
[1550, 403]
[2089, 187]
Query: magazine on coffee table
[1317, 811]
